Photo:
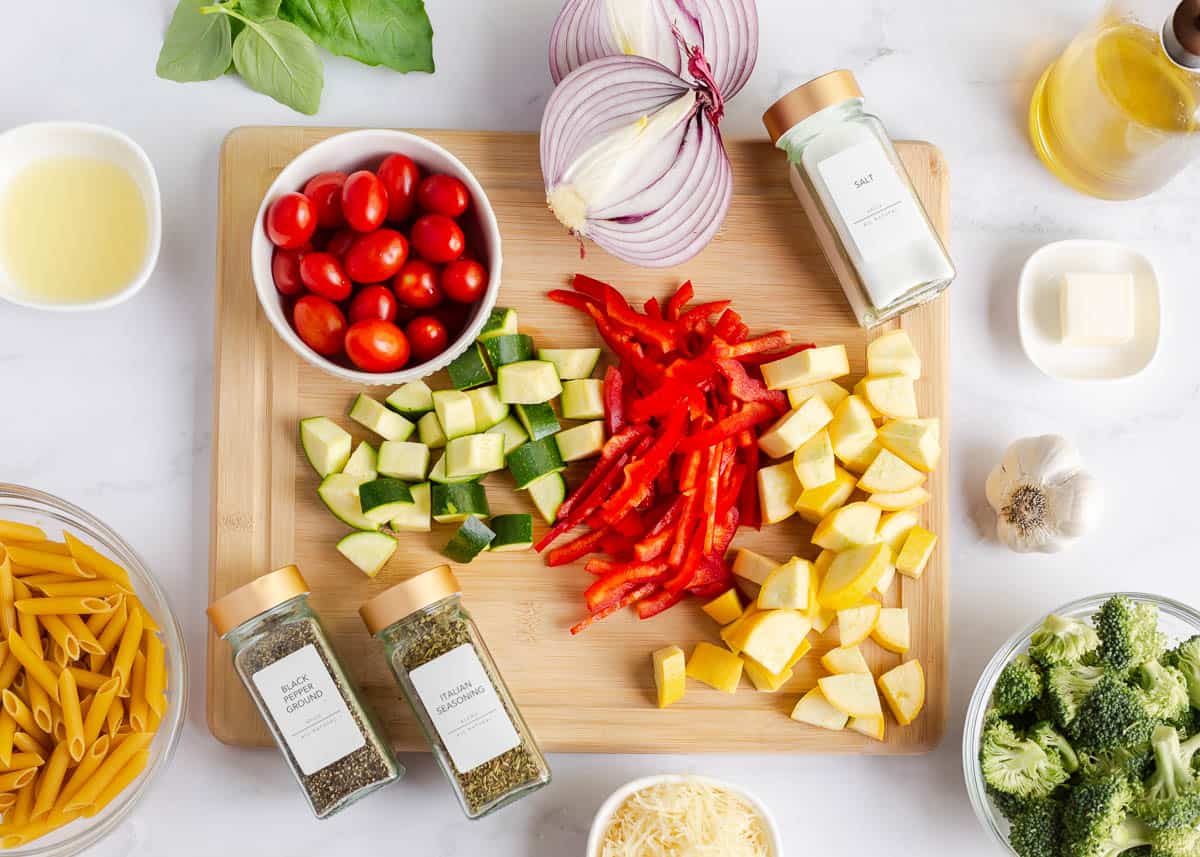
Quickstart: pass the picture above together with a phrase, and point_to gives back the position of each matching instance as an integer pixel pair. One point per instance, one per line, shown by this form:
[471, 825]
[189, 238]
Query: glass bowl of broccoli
[1082, 737]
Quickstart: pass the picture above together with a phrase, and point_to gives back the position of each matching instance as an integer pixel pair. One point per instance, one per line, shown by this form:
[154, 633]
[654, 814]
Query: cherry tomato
[376, 256]
[427, 336]
[464, 280]
[340, 241]
[443, 194]
[437, 238]
[374, 345]
[291, 221]
[364, 201]
[399, 176]
[285, 270]
[325, 192]
[323, 274]
[373, 302]
[417, 285]
[320, 324]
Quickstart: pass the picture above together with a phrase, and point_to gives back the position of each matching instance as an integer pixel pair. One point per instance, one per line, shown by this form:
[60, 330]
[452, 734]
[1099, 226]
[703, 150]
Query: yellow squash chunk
[768, 682]
[885, 582]
[892, 395]
[752, 566]
[845, 660]
[851, 526]
[852, 431]
[791, 430]
[807, 367]
[730, 633]
[815, 710]
[893, 354]
[778, 491]
[816, 503]
[669, 672]
[860, 390]
[771, 637]
[725, 608]
[860, 464]
[787, 587]
[899, 502]
[891, 630]
[872, 727]
[856, 623]
[852, 575]
[894, 528]
[904, 690]
[852, 694]
[916, 441]
[914, 556]
[831, 391]
[718, 668]
[821, 617]
[890, 474]
[814, 462]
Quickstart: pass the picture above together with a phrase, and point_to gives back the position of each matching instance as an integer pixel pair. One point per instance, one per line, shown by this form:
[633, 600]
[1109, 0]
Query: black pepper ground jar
[449, 678]
[282, 654]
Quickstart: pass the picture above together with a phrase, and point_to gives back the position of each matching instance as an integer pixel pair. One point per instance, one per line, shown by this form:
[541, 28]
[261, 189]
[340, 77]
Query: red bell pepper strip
[624, 577]
[631, 526]
[571, 299]
[633, 597]
[748, 508]
[682, 297]
[770, 356]
[652, 309]
[738, 335]
[712, 572]
[689, 472]
[643, 327]
[727, 324]
[618, 546]
[655, 604]
[612, 457]
[687, 523]
[641, 472]
[731, 490]
[748, 417]
[598, 290]
[614, 400]
[701, 312]
[600, 566]
[772, 341]
[747, 389]
[576, 548]
[712, 485]
[682, 579]
[652, 547]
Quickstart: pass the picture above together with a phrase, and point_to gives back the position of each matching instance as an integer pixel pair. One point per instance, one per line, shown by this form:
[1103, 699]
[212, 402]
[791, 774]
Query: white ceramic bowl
[356, 150]
[610, 807]
[40, 140]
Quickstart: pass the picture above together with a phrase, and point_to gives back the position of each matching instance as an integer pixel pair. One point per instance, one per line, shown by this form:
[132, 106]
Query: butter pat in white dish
[1089, 310]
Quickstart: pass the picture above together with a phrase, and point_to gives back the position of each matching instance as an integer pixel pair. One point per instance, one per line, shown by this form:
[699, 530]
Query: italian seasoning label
[465, 710]
[311, 715]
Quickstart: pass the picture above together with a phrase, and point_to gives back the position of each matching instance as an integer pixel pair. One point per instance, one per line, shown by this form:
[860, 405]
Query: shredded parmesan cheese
[685, 819]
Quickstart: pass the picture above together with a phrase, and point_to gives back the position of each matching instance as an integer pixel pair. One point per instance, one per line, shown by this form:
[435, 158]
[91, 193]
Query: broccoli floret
[1037, 831]
[1112, 715]
[1128, 633]
[1186, 658]
[1097, 821]
[1019, 766]
[1019, 686]
[1009, 806]
[1172, 795]
[1048, 738]
[1178, 842]
[1133, 763]
[1067, 686]
[1164, 691]
[1061, 640]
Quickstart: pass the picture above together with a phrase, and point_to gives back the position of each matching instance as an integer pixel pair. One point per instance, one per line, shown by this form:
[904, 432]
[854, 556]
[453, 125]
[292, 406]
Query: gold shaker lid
[256, 597]
[809, 98]
[390, 606]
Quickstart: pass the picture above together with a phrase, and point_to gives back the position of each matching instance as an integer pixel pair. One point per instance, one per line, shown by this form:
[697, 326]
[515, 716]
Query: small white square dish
[1039, 315]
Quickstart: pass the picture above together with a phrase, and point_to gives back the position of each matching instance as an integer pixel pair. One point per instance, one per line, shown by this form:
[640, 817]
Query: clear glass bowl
[52, 514]
[1176, 620]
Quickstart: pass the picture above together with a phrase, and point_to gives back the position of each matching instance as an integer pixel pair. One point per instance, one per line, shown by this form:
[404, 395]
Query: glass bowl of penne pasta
[92, 682]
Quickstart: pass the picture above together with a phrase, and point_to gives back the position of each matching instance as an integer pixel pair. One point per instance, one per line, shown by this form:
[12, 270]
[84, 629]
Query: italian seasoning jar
[447, 675]
[283, 655]
[868, 219]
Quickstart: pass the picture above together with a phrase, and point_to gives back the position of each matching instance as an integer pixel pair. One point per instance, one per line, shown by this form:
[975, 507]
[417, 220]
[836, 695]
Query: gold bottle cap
[390, 606]
[256, 597]
[809, 98]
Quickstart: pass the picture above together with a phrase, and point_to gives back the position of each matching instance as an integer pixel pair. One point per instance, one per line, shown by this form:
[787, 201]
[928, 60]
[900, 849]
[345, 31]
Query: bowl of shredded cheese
[683, 816]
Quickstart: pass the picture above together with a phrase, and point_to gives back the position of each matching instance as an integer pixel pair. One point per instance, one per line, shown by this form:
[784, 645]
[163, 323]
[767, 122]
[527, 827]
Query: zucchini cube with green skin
[383, 421]
[583, 399]
[368, 551]
[534, 459]
[403, 459]
[472, 539]
[538, 420]
[417, 517]
[489, 410]
[412, 399]
[339, 493]
[438, 474]
[474, 455]
[382, 498]
[469, 369]
[571, 363]
[511, 431]
[513, 532]
[429, 429]
[548, 493]
[364, 461]
[455, 413]
[453, 503]
[529, 382]
[582, 441]
[501, 321]
[325, 444]
[508, 348]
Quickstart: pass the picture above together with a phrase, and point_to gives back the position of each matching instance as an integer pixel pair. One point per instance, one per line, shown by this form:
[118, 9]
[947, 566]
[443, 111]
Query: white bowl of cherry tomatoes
[376, 256]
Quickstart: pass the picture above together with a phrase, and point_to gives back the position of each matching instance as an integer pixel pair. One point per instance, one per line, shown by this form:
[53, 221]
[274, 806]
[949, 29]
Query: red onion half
[633, 160]
[724, 31]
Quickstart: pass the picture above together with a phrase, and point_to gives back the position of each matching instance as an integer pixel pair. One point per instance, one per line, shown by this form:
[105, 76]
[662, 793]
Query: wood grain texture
[593, 693]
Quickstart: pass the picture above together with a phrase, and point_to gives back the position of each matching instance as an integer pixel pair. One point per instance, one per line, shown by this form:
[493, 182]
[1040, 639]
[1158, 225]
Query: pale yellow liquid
[1114, 117]
[72, 230]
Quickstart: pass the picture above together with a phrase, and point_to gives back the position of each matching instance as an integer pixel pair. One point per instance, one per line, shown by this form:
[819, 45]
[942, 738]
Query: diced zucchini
[512, 432]
[583, 399]
[513, 533]
[452, 503]
[571, 363]
[368, 551]
[548, 494]
[528, 382]
[429, 429]
[469, 369]
[534, 459]
[384, 422]
[404, 459]
[455, 413]
[382, 498]
[364, 461]
[438, 474]
[339, 492]
[582, 441]
[414, 518]
[326, 444]
[488, 408]
[411, 399]
[474, 455]
[538, 420]
[472, 539]
[508, 348]
[502, 321]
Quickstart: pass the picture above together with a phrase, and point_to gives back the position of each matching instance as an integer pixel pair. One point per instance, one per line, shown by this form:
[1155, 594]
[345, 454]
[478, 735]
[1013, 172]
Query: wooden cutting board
[593, 693]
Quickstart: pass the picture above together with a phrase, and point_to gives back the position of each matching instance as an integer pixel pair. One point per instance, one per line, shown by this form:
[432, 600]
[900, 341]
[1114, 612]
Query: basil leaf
[394, 33]
[196, 47]
[277, 59]
[259, 8]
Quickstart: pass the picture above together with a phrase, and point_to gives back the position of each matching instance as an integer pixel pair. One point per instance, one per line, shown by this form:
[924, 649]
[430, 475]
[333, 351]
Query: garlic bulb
[1044, 500]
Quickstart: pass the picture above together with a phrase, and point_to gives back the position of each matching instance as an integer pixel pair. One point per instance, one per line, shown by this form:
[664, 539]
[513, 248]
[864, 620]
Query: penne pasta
[23, 808]
[62, 635]
[115, 717]
[9, 670]
[40, 703]
[82, 588]
[124, 778]
[27, 624]
[98, 711]
[16, 779]
[50, 781]
[23, 834]
[8, 728]
[42, 545]
[12, 531]
[131, 638]
[115, 627]
[20, 712]
[95, 754]
[58, 729]
[63, 604]
[156, 673]
[147, 620]
[7, 801]
[20, 761]
[58, 657]
[138, 709]
[37, 581]
[72, 715]
[87, 679]
[95, 562]
[79, 629]
[35, 667]
[8, 613]
[43, 561]
[26, 743]
[108, 770]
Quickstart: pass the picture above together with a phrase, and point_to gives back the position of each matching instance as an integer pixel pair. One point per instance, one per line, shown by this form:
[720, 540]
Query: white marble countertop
[113, 411]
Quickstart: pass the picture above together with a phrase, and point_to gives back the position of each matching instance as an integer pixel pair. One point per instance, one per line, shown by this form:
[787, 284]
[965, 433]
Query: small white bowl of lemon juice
[80, 216]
